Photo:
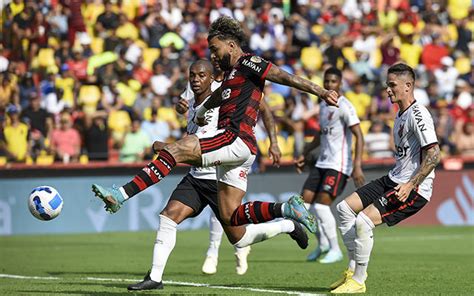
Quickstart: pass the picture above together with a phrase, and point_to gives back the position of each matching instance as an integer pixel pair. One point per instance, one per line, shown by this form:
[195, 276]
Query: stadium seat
[89, 96]
[149, 57]
[3, 160]
[46, 57]
[45, 159]
[311, 58]
[119, 120]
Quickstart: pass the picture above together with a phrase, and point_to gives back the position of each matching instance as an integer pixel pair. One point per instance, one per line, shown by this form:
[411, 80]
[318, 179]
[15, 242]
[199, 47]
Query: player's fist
[331, 97]
[182, 106]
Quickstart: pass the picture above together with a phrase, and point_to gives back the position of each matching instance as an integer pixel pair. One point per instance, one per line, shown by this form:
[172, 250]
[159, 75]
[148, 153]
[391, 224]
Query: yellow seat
[44, 159]
[119, 120]
[3, 160]
[89, 96]
[149, 56]
[311, 58]
[46, 57]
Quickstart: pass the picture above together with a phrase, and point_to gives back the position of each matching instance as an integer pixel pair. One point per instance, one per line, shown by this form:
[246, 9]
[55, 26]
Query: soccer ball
[45, 203]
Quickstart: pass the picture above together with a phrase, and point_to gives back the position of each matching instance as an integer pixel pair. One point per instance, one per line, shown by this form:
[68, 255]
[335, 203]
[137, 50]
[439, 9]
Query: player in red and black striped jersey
[232, 147]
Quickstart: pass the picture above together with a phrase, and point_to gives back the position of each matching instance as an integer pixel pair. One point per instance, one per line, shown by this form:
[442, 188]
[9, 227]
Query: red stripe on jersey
[265, 209]
[252, 213]
[139, 182]
[266, 71]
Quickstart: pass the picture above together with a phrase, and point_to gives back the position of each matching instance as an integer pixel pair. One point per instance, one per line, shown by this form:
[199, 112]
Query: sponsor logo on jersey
[243, 174]
[256, 59]
[251, 65]
[226, 93]
[232, 74]
[419, 118]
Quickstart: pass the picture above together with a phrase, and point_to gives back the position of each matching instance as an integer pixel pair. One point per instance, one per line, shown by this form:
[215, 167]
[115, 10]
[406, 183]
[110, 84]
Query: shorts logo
[383, 201]
[217, 162]
[243, 175]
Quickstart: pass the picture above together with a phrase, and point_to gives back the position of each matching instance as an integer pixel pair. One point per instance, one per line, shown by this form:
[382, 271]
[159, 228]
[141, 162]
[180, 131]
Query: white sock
[328, 224]
[347, 219]
[320, 236]
[164, 244]
[363, 246]
[124, 194]
[215, 236]
[255, 233]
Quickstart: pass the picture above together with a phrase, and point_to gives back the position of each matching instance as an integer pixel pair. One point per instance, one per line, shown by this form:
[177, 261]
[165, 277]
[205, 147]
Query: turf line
[176, 283]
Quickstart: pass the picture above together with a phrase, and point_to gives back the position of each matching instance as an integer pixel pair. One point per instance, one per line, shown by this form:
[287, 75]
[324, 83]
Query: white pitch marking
[189, 284]
[422, 238]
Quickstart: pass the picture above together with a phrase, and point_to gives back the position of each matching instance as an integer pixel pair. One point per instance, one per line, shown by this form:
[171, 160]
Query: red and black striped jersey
[241, 94]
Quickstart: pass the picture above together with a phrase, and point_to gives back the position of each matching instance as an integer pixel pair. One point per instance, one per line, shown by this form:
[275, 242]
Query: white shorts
[233, 161]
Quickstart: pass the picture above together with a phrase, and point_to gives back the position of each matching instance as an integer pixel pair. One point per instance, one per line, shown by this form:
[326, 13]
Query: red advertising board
[452, 202]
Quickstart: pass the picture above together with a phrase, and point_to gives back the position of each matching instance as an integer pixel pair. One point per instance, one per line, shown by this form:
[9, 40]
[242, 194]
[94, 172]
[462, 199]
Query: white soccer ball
[45, 203]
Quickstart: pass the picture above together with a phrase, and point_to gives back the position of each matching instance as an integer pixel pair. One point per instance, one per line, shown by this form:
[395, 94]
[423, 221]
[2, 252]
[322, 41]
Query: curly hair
[225, 28]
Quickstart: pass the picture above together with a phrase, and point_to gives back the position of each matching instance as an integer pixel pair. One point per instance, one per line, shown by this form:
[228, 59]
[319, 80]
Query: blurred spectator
[40, 123]
[96, 136]
[135, 144]
[9, 92]
[379, 142]
[445, 126]
[359, 99]
[156, 129]
[464, 139]
[446, 78]
[65, 140]
[434, 52]
[16, 136]
[107, 21]
[462, 94]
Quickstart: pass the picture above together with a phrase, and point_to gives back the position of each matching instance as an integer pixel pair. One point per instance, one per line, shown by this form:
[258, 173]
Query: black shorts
[325, 180]
[197, 194]
[381, 193]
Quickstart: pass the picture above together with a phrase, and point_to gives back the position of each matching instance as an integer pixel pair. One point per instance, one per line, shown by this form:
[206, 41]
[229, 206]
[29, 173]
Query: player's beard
[224, 63]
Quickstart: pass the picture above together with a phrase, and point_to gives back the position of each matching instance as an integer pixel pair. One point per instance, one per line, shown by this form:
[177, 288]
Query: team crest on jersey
[330, 115]
[400, 130]
[256, 59]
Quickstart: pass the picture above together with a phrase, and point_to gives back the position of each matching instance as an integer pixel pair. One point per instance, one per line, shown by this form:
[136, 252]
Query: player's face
[396, 87]
[220, 53]
[200, 79]
[332, 82]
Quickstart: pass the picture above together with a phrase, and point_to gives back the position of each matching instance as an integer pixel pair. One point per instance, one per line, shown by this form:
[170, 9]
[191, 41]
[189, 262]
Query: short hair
[333, 71]
[402, 69]
[225, 28]
[206, 63]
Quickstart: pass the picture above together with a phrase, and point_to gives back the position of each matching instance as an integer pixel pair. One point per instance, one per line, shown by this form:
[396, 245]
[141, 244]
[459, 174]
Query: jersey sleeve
[422, 124]
[188, 93]
[254, 67]
[349, 114]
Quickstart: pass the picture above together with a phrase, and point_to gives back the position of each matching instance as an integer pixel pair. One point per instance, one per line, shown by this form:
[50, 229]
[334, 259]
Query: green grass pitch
[405, 260]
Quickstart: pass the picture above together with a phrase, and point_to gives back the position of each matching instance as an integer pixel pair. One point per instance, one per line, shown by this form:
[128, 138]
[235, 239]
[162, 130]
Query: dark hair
[226, 28]
[206, 63]
[333, 71]
[402, 69]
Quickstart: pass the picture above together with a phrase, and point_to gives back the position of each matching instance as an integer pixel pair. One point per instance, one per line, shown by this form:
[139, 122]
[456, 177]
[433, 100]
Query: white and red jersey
[212, 116]
[413, 132]
[336, 136]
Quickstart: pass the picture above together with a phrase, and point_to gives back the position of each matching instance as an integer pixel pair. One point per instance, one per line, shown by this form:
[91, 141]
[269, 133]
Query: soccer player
[215, 228]
[232, 147]
[333, 167]
[199, 189]
[394, 197]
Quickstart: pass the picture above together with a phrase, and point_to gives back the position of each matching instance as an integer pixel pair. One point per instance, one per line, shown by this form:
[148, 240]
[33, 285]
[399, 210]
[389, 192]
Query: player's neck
[235, 57]
[201, 97]
[405, 104]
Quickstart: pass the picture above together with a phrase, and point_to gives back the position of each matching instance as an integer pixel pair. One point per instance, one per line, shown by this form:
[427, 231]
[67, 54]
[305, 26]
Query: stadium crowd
[98, 80]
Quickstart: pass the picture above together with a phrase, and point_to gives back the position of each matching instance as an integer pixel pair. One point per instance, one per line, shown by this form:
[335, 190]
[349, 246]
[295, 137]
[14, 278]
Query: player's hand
[182, 106]
[358, 176]
[402, 191]
[299, 164]
[331, 97]
[275, 154]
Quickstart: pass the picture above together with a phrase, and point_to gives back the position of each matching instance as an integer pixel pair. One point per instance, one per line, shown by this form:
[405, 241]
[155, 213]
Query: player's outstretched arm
[430, 160]
[269, 124]
[357, 173]
[275, 74]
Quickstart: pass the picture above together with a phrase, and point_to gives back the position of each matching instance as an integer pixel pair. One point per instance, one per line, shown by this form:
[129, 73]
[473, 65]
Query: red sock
[151, 174]
[255, 212]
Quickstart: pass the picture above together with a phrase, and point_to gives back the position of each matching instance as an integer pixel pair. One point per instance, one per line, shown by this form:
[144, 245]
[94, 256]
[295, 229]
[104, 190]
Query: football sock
[151, 174]
[328, 224]
[215, 236]
[256, 212]
[320, 236]
[363, 246]
[347, 220]
[164, 244]
[260, 232]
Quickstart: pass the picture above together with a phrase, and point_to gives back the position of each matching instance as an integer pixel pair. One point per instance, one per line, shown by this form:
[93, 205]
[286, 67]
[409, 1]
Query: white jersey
[336, 136]
[413, 130]
[212, 116]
